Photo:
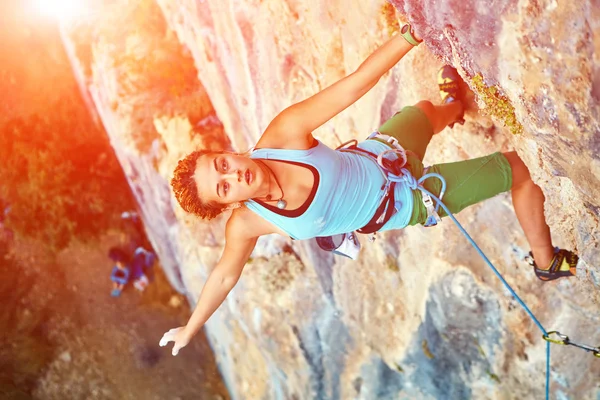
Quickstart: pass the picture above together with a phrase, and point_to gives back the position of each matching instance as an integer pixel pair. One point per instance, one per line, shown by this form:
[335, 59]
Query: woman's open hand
[179, 336]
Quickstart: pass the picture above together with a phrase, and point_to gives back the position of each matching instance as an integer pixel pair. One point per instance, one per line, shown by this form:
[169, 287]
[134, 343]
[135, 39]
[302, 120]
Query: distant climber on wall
[141, 266]
[294, 185]
[133, 268]
[120, 272]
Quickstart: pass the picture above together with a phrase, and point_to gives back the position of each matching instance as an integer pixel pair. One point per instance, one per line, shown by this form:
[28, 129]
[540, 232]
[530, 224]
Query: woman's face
[228, 178]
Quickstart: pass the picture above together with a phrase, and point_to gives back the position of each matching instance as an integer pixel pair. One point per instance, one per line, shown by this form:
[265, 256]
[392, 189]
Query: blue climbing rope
[417, 184]
[514, 294]
[432, 218]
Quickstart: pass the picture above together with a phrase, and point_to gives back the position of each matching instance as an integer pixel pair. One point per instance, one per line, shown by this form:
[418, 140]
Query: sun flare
[60, 9]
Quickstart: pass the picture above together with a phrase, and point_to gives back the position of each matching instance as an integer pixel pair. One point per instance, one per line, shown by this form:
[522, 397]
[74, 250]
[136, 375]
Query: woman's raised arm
[299, 120]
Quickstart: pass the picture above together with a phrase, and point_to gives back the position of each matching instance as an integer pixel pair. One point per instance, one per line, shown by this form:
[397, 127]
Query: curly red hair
[186, 191]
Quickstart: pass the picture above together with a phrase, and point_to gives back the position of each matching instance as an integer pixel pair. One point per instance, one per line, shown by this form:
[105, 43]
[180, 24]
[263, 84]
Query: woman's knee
[430, 112]
[520, 172]
[428, 109]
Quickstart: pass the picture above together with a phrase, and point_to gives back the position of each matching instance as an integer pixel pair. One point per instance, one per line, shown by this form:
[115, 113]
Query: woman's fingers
[174, 335]
[165, 339]
[168, 337]
[176, 348]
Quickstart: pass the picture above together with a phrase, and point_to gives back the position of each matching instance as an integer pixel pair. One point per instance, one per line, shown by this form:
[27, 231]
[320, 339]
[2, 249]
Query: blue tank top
[349, 188]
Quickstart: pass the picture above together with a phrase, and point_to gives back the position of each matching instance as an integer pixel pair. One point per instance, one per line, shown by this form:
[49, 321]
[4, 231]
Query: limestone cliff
[420, 315]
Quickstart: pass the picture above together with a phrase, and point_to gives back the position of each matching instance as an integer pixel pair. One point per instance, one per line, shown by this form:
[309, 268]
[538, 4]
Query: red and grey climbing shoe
[564, 264]
[450, 82]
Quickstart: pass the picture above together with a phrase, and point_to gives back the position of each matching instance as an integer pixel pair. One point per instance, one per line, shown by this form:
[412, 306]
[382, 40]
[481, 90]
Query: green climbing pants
[467, 182]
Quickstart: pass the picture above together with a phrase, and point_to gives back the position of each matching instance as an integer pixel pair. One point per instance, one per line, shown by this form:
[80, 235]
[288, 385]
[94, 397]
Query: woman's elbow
[228, 281]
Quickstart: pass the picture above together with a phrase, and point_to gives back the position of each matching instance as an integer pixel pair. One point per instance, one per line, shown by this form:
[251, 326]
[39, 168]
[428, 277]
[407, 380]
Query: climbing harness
[346, 244]
[395, 172]
[401, 174]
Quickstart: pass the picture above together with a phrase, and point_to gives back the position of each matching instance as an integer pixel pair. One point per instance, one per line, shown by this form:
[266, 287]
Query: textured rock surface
[420, 315]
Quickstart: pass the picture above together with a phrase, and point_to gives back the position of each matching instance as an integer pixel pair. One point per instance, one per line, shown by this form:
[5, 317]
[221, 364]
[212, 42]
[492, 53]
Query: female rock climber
[294, 185]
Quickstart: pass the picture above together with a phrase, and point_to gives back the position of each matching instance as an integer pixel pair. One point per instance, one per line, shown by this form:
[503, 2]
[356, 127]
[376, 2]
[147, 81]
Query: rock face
[419, 315]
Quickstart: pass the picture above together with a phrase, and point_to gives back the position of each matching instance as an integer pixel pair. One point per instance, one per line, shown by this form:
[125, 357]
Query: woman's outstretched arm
[299, 120]
[238, 247]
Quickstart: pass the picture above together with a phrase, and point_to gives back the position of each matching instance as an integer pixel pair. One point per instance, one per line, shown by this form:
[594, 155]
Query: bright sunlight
[60, 9]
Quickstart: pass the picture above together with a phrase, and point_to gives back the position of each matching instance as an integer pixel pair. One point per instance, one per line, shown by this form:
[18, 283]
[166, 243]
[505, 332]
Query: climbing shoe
[564, 264]
[449, 82]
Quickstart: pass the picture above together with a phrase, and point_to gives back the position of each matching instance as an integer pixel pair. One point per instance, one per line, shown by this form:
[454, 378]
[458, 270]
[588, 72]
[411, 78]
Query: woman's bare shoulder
[245, 224]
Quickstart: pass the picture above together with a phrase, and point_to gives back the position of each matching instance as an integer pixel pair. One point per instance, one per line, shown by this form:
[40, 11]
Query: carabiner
[564, 339]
